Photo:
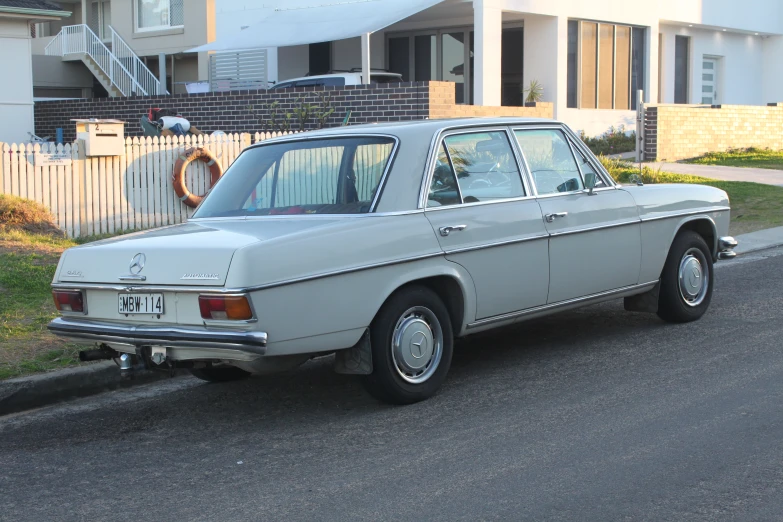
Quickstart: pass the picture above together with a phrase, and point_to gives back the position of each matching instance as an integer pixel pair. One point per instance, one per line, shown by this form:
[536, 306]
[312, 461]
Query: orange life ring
[192, 154]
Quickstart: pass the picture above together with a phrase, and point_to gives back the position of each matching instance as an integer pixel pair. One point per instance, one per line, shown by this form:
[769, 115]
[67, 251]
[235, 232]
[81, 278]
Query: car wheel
[412, 343]
[687, 279]
[220, 374]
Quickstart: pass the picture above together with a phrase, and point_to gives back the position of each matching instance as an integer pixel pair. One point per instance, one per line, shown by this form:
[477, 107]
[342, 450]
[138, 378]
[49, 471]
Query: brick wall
[442, 100]
[242, 111]
[249, 111]
[675, 132]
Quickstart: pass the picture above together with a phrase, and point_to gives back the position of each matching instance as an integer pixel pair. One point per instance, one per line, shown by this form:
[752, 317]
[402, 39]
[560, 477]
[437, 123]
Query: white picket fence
[105, 195]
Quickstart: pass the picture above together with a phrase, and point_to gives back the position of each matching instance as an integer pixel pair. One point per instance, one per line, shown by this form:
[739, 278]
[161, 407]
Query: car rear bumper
[168, 336]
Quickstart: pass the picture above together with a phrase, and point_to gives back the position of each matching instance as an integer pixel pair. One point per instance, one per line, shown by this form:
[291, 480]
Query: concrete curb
[761, 240]
[26, 393]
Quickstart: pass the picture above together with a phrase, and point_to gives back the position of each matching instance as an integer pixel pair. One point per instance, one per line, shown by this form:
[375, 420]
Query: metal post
[639, 126]
[161, 73]
[366, 58]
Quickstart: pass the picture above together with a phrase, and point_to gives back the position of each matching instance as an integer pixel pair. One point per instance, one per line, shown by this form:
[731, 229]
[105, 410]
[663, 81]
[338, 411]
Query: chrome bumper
[169, 336]
[726, 246]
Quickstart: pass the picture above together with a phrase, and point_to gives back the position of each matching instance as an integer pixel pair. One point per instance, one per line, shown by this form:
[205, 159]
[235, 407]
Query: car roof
[399, 128]
[347, 74]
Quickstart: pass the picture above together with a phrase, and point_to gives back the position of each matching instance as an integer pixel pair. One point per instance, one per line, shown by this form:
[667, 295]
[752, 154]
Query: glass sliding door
[399, 57]
[425, 58]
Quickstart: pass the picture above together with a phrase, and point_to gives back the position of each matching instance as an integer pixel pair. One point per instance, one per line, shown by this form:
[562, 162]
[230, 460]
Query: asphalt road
[597, 414]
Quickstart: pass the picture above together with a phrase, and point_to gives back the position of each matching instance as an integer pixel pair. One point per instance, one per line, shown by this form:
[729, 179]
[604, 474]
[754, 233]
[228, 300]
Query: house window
[681, 60]
[605, 65]
[152, 15]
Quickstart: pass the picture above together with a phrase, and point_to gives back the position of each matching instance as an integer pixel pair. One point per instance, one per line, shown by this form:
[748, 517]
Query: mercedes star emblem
[137, 264]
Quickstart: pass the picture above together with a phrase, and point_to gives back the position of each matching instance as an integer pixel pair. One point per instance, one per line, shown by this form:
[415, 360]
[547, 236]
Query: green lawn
[26, 307]
[754, 206]
[748, 158]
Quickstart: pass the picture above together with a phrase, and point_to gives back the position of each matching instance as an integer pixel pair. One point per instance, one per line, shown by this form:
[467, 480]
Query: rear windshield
[319, 176]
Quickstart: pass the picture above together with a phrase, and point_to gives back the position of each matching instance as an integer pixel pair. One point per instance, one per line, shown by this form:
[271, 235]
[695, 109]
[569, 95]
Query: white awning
[312, 21]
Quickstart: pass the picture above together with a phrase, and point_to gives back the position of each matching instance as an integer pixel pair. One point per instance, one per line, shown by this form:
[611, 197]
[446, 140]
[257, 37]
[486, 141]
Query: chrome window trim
[327, 136]
[574, 193]
[453, 172]
[479, 203]
[553, 306]
[440, 136]
[310, 216]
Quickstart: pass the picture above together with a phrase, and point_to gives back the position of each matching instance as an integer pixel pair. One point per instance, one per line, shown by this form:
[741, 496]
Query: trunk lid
[191, 254]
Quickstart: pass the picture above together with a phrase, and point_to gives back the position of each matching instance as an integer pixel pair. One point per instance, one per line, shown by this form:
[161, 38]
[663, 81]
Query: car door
[595, 237]
[487, 220]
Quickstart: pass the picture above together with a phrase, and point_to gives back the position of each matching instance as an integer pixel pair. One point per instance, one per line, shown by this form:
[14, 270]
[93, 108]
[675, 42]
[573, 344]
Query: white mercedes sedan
[383, 243]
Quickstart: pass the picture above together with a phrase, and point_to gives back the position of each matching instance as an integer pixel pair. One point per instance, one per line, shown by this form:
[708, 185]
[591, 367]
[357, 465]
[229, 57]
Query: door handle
[445, 231]
[551, 217]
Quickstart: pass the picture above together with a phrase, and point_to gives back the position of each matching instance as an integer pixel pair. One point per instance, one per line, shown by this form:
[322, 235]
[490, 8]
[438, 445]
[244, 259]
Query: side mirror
[590, 182]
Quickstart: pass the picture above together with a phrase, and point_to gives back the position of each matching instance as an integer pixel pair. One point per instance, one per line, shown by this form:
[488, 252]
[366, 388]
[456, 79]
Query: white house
[590, 56]
[16, 89]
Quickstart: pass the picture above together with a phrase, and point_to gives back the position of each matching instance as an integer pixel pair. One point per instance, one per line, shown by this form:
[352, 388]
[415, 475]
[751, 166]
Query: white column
[488, 25]
[84, 12]
[666, 80]
[366, 58]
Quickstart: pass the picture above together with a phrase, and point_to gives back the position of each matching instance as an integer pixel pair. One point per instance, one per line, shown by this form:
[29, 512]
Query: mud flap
[356, 360]
[646, 302]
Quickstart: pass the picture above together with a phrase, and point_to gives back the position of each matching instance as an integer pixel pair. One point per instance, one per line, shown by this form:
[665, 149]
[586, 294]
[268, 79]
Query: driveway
[765, 176]
[595, 414]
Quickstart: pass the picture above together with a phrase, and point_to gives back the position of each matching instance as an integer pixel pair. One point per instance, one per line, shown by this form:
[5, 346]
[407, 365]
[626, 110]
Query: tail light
[68, 300]
[225, 307]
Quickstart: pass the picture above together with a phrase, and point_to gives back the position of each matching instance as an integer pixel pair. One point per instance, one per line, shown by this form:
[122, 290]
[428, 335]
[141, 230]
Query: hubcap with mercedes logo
[417, 344]
[693, 277]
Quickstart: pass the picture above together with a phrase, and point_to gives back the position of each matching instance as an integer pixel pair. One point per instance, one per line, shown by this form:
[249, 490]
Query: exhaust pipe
[103, 353]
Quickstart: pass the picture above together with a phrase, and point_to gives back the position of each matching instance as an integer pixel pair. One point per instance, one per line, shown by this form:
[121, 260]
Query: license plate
[140, 303]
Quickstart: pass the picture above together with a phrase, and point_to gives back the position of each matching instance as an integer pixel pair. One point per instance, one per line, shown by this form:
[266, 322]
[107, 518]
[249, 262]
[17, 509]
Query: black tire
[220, 374]
[673, 306]
[412, 304]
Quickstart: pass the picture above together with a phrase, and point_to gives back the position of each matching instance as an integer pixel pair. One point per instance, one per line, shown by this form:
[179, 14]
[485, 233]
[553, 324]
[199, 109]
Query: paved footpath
[765, 176]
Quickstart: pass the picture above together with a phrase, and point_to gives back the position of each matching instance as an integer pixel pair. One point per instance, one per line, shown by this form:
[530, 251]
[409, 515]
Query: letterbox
[101, 137]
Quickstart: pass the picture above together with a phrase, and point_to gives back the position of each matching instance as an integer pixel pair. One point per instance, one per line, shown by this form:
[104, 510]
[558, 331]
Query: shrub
[24, 214]
[613, 141]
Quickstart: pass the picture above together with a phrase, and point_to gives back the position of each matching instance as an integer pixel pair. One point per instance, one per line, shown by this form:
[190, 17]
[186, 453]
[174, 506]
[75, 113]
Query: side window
[337, 81]
[369, 163]
[587, 168]
[444, 189]
[485, 166]
[551, 162]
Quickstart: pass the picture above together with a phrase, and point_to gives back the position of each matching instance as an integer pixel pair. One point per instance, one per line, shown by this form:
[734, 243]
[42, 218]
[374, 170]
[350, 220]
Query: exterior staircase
[118, 69]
